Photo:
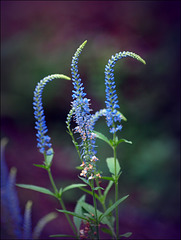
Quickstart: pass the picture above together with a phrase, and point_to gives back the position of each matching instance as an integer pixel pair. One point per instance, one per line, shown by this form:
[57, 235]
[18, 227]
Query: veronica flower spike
[44, 144]
[83, 118]
[112, 114]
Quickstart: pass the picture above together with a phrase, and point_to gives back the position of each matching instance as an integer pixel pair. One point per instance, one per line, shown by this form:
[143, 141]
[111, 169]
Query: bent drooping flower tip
[112, 106]
[43, 140]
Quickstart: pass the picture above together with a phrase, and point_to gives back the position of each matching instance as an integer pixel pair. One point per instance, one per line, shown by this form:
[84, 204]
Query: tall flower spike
[78, 89]
[12, 203]
[27, 224]
[83, 119]
[112, 114]
[43, 140]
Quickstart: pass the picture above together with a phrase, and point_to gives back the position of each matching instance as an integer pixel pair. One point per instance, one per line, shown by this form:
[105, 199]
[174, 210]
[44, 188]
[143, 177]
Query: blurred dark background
[39, 38]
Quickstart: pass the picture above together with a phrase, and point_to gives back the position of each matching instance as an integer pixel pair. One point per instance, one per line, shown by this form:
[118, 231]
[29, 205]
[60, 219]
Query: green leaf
[128, 234]
[72, 213]
[98, 188]
[89, 216]
[89, 192]
[110, 209]
[102, 137]
[111, 166]
[63, 235]
[49, 158]
[36, 188]
[106, 230]
[119, 174]
[107, 178]
[85, 180]
[79, 167]
[40, 166]
[78, 185]
[60, 192]
[122, 140]
[90, 209]
[78, 210]
[108, 188]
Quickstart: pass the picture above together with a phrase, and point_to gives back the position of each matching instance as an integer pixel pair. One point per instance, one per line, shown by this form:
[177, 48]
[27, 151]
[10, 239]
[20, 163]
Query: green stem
[60, 200]
[75, 143]
[67, 216]
[102, 201]
[95, 207]
[116, 187]
[100, 195]
[52, 181]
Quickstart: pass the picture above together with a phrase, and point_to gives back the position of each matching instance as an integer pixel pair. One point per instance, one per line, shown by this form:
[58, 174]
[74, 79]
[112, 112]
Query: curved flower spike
[112, 114]
[82, 115]
[27, 225]
[78, 89]
[43, 140]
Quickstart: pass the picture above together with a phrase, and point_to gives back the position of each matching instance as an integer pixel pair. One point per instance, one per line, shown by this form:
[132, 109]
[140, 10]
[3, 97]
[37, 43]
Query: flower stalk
[95, 207]
[60, 200]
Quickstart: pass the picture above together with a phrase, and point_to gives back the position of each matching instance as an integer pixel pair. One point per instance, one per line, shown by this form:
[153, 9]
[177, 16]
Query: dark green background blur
[39, 38]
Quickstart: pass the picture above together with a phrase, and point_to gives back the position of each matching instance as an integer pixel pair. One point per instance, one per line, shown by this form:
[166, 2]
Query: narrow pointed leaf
[123, 140]
[128, 234]
[89, 192]
[102, 137]
[90, 209]
[108, 188]
[85, 180]
[36, 188]
[111, 166]
[79, 168]
[78, 210]
[90, 217]
[106, 230]
[63, 236]
[72, 213]
[110, 209]
[78, 185]
[60, 192]
[40, 166]
[96, 188]
[107, 178]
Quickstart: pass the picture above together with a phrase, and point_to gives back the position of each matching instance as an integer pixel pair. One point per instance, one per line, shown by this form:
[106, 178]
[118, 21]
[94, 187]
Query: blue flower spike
[44, 144]
[112, 114]
[27, 225]
[83, 119]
